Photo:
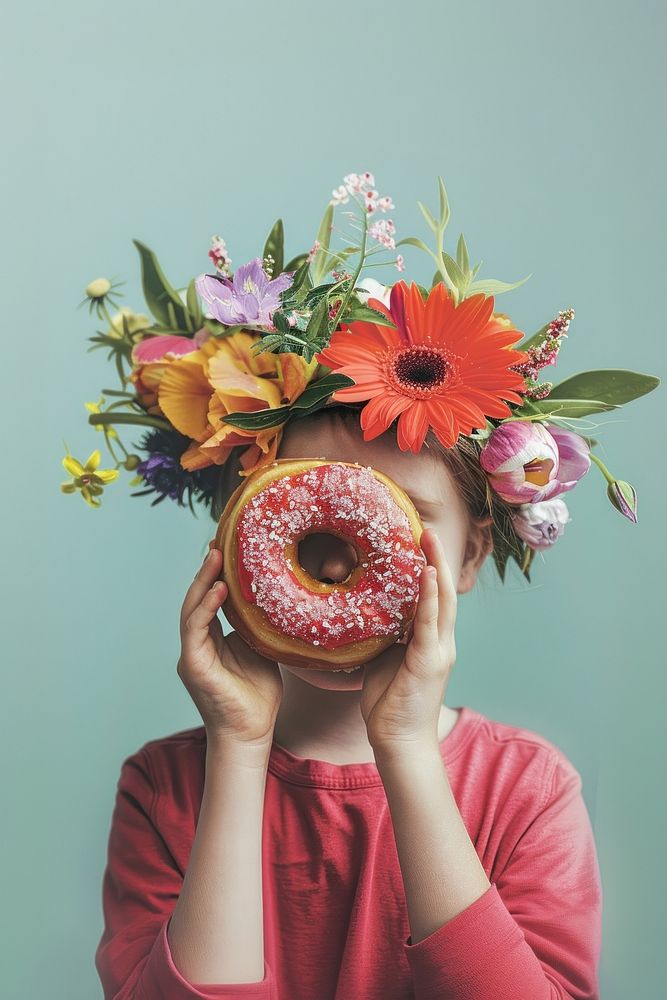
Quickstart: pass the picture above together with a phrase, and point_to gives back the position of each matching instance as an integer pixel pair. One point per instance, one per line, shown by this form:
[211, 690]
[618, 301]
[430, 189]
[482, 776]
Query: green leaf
[258, 420]
[321, 264]
[444, 204]
[462, 258]
[610, 385]
[337, 257]
[492, 287]
[318, 323]
[301, 283]
[360, 312]
[317, 391]
[567, 407]
[275, 245]
[267, 343]
[159, 294]
[413, 242]
[429, 218]
[295, 263]
[454, 271]
[309, 399]
[194, 306]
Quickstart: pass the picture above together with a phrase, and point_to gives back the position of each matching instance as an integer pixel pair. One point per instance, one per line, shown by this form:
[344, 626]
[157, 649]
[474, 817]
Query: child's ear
[479, 545]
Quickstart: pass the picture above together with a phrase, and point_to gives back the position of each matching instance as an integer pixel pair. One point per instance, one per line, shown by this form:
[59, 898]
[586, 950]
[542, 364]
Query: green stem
[362, 256]
[108, 317]
[117, 392]
[603, 468]
[530, 416]
[107, 438]
[439, 242]
[145, 420]
[121, 402]
[380, 263]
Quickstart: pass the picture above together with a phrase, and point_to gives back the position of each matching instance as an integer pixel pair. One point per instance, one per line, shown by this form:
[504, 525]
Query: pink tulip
[526, 463]
[541, 524]
[153, 349]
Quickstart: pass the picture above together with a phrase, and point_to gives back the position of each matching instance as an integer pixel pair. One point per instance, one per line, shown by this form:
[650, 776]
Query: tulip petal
[573, 454]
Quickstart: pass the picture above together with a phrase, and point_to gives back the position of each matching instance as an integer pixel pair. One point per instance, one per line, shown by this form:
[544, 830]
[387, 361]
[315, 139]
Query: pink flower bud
[624, 498]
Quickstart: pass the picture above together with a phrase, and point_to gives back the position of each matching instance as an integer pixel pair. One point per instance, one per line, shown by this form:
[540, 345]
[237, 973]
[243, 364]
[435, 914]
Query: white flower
[340, 196]
[353, 182]
[541, 524]
[370, 288]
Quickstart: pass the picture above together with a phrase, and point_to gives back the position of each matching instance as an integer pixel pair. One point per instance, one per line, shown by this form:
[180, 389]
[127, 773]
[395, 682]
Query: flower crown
[280, 340]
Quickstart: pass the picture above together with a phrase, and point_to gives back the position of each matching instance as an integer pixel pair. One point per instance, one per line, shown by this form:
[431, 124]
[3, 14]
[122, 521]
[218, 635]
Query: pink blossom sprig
[383, 231]
[220, 255]
[312, 253]
[364, 186]
[543, 354]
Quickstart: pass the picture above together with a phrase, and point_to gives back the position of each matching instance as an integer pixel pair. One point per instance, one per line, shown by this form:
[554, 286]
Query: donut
[282, 611]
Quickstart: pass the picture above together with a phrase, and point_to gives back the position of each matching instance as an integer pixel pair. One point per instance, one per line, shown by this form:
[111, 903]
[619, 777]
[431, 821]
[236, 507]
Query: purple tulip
[540, 524]
[250, 297]
[526, 463]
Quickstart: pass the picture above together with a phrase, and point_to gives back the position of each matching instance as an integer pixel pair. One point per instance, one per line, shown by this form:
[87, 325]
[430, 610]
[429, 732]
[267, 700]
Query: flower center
[419, 371]
[538, 471]
[249, 286]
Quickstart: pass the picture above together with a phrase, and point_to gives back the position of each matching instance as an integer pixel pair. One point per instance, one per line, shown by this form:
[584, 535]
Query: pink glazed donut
[282, 611]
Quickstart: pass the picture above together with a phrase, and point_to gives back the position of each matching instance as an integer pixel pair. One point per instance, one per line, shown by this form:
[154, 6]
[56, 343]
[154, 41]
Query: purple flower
[249, 298]
[541, 524]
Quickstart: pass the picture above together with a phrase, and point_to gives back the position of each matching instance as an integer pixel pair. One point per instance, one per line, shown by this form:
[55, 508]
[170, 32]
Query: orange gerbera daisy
[444, 366]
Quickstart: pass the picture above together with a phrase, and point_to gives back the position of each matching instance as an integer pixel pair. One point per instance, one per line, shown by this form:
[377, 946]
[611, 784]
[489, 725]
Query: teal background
[170, 122]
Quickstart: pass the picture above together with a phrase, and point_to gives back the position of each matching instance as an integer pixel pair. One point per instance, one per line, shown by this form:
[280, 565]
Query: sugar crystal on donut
[349, 501]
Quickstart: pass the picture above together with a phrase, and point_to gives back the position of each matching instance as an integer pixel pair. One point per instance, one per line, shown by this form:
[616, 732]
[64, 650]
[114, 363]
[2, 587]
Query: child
[348, 835]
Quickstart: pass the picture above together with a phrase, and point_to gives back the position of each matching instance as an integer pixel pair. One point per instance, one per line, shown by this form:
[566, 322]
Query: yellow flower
[87, 478]
[95, 408]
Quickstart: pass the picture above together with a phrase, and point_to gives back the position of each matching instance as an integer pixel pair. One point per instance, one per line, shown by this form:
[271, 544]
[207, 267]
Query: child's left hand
[404, 687]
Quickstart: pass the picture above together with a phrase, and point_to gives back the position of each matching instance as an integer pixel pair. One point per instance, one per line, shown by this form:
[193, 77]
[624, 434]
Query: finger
[447, 598]
[195, 631]
[207, 573]
[423, 646]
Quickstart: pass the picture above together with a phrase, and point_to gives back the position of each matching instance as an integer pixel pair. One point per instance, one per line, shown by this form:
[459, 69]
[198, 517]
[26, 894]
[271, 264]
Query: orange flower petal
[184, 395]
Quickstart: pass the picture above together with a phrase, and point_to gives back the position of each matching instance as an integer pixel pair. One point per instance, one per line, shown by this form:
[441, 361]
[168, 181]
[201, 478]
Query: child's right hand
[236, 690]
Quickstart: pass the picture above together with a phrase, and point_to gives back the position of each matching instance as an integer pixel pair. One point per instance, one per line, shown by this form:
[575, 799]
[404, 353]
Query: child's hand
[404, 687]
[236, 690]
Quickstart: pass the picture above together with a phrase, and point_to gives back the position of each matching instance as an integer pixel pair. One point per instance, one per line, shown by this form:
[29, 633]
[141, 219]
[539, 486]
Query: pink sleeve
[140, 890]
[536, 932]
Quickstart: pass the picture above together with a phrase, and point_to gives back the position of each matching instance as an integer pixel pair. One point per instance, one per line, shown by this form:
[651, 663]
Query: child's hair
[461, 461]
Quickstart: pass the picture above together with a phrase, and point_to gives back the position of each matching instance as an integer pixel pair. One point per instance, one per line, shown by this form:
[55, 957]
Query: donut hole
[327, 557]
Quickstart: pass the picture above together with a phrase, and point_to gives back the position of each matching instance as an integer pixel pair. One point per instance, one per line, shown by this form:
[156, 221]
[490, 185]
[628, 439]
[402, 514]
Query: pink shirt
[335, 918]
